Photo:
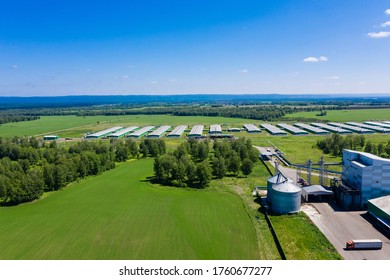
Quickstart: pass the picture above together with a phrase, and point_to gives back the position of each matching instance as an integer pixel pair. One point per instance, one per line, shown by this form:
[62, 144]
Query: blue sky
[52, 47]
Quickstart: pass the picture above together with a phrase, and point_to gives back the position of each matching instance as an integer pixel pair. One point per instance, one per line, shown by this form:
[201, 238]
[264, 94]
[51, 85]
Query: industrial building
[141, 132]
[103, 133]
[50, 137]
[251, 128]
[311, 129]
[379, 209]
[292, 129]
[122, 132]
[274, 130]
[356, 129]
[196, 131]
[177, 131]
[234, 129]
[372, 127]
[215, 129]
[158, 132]
[330, 128]
[366, 175]
[316, 193]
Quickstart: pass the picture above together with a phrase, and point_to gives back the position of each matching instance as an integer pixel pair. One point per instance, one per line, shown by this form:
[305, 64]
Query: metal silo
[286, 198]
[276, 179]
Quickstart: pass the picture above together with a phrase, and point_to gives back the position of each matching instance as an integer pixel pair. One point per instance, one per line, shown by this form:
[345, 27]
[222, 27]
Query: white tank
[286, 198]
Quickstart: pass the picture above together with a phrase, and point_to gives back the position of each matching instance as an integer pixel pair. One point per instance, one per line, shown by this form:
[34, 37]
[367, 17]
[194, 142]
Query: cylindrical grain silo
[276, 179]
[286, 198]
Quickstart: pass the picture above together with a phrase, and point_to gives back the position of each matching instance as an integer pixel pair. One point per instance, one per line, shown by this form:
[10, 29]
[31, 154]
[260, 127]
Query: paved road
[340, 226]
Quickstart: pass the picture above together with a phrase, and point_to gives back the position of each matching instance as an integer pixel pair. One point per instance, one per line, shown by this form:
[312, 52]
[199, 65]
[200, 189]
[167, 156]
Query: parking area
[340, 226]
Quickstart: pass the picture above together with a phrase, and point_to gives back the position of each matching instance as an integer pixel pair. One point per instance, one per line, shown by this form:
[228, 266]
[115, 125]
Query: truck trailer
[364, 244]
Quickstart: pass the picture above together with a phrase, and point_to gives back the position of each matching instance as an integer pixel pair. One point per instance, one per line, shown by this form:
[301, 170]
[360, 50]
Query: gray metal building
[274, 130]
[286, 198]
[177, 132]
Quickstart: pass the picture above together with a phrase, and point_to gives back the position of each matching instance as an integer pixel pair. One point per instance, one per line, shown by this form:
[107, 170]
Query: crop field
[346, 115]
[119, 215]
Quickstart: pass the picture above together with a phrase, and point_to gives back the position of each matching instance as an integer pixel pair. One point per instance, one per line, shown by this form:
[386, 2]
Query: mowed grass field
[119, 215]
[357, 115]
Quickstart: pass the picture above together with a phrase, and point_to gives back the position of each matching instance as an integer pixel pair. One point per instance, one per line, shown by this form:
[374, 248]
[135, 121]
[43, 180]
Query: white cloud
[385, 24]
[125, 77]
[323, 58]
[387, 12]
[332, 78]
[315, 59]
[172, 80]
[14, 66]
[381, 34]
[243, 71]
[154, 82]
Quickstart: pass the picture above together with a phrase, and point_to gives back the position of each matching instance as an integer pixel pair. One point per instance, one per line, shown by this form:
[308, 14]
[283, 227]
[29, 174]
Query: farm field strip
[119, 215]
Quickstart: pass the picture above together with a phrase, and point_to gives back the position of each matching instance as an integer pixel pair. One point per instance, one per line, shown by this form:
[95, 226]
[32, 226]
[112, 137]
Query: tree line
[17, 118]
[335, 144]
[29, 166]
[192, 164]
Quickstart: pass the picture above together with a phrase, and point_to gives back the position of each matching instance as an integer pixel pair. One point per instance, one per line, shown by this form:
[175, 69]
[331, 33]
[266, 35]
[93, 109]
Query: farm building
[292, 129]
[215, 129]
[379, 209]
[50, 137]
[316, 193]
[103, 133]
[386, 125]
[251, 128]
[356, 129]
[274, 180]
[122, 132]
[141, 132]
[273, 130]
[177, 132]
[234, 129]
[196, 131]
[311, 129]
[366, 173]
[159, 131]
[330, 128]
[372, 127]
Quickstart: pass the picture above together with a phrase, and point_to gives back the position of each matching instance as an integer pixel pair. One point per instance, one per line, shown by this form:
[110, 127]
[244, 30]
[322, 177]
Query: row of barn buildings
[280, 129]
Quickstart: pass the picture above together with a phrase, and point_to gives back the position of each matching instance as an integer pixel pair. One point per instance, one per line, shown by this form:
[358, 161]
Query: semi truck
[364, 244]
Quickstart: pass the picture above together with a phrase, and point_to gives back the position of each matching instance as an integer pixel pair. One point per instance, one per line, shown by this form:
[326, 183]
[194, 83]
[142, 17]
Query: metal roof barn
[159, 131]
[356, 129]
[372, 127]
[386, 125]
[196, 131]
[330, 128]
[292, 129]
[215, 129]
[178, 131]
[251, 128]
[102, 133]
[312, 129]
[123, 132]
[316, 193]
[141, 132]
[286, 198]
[273, 129]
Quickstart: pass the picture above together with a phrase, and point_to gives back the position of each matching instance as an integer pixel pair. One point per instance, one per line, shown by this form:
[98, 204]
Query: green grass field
[73, 126]
[119, 215]
[346, 115]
